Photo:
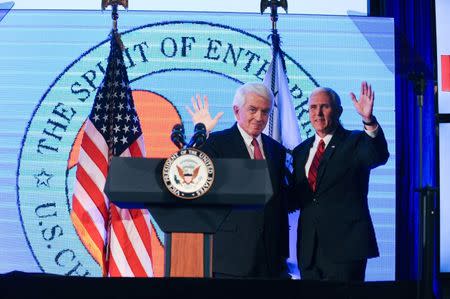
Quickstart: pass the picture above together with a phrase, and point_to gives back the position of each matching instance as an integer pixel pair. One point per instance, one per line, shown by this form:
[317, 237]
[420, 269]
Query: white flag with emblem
[283, 123]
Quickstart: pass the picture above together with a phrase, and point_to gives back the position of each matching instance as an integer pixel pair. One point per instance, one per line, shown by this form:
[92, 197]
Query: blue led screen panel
[54, 59]
[444, 196]
[328, 7]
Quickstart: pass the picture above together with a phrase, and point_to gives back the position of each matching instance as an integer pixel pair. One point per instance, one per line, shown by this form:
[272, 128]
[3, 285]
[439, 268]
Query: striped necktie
[312, 173]
[257, 154]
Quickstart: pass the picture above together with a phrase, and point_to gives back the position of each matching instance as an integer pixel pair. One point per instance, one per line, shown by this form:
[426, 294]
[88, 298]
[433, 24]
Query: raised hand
[200, 112]
[364, 106]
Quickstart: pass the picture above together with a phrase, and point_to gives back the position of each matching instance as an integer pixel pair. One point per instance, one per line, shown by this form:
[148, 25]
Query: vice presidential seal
[188, 174]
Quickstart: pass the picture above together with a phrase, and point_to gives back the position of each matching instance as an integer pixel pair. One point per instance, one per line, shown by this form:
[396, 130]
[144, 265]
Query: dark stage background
[415, 48]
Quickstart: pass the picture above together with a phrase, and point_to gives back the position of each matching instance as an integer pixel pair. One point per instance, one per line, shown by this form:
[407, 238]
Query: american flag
[118, 239]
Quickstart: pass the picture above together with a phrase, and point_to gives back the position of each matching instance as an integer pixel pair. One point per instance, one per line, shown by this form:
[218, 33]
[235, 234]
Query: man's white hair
[252, 87]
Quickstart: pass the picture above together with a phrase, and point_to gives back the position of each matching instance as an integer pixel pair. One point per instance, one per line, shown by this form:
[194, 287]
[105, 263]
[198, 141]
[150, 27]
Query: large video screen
[52, 62]
[329, 7]
[444, 195]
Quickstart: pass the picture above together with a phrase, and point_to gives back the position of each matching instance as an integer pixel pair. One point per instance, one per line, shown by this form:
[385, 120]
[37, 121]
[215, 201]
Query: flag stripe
[126, 153]
[95, 154]
[93, 249]
[118, 257]
[135, 149]
[131, 223]
[91, 168]
[94, 237]
[123, 241]
[113, 269]
[100, 142]
[88, 207]
[92, 190]
[143, 236]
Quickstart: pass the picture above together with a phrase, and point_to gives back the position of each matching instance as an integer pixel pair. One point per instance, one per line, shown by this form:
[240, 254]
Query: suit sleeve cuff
[372, 133]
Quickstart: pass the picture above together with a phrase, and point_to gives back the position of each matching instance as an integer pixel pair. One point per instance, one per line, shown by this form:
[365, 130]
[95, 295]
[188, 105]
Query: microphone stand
[427, 217]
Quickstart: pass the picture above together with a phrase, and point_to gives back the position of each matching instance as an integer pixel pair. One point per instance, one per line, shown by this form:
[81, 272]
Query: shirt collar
[247, 138]
[326, 139]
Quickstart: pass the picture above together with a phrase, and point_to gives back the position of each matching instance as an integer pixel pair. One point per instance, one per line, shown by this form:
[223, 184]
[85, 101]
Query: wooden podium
[189, 225]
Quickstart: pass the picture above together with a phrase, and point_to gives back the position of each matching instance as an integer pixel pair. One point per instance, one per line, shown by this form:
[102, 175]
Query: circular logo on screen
[158, 58]
[188, 174]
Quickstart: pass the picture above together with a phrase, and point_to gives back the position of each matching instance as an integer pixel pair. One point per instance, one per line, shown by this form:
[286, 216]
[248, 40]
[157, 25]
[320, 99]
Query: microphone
[199, 136]
[177, 136]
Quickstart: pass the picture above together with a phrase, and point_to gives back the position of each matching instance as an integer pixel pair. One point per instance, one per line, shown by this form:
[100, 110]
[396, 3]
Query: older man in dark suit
[249, 243]
[331, 174]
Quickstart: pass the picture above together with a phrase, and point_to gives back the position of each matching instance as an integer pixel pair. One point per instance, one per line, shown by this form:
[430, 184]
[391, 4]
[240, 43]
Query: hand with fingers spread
[200, 113]
[364, 106]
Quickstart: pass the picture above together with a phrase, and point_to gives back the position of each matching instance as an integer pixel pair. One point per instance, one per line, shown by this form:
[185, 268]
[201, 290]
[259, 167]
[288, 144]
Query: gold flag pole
[115, 15]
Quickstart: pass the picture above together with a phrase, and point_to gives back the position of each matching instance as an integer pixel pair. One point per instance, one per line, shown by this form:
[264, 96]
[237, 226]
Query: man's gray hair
[331, 93]
[252, 87]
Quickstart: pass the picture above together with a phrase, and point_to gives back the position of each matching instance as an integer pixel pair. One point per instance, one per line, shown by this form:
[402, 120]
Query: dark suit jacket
[338, 211]
[251, 243]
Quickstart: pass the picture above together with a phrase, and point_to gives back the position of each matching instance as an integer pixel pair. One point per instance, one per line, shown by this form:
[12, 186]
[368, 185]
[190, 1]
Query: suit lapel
[304, 154]
[267, 150]
[328, 154]
[237, 147]
[272, 160]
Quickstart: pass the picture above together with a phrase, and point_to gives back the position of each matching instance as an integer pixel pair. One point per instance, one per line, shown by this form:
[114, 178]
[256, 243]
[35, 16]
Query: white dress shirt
[248, 142]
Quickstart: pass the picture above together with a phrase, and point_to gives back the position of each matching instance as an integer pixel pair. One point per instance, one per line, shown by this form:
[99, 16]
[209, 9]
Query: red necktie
[312, 173]
[257, 155]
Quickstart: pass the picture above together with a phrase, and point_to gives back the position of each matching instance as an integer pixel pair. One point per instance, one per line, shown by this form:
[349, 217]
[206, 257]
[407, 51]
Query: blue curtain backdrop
[415, 52]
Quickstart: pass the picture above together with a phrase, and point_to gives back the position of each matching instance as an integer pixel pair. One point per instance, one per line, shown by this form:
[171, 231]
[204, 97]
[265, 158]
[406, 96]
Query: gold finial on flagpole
[106, 3]
[115, 15]
[273, 4]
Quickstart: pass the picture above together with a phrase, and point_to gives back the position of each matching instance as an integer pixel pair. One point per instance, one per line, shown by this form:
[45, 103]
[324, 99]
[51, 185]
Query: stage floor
[25, 285]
